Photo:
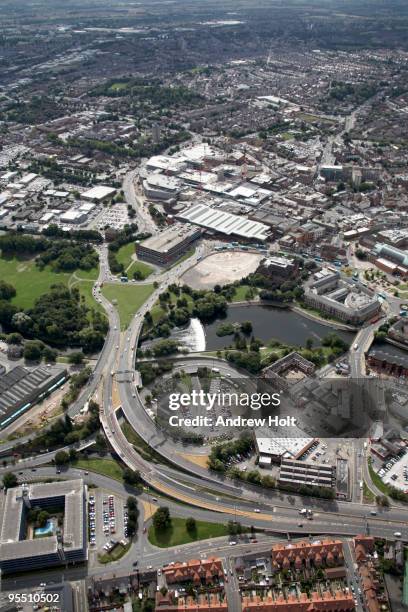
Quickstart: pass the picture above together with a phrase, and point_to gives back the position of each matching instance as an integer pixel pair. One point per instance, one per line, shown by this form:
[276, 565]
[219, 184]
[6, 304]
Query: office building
[23, 547]
[167, 246]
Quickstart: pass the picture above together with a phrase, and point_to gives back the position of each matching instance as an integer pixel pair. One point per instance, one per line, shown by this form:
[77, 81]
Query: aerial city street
[204, 306]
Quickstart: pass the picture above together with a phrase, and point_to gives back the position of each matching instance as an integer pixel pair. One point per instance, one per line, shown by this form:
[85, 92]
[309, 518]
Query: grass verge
[106, 467]
[117, 553]
[127, 298]
[177, 534]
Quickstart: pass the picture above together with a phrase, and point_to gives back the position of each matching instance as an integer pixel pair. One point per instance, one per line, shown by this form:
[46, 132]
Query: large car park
[394, 471]
[107, 520]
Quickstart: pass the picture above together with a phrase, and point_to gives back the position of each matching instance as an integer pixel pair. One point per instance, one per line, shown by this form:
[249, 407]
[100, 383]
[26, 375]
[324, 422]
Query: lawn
[30, 282]
[240, 293]
[368, 495]
[125, 257]
[106, 467]
[177, 534]
[140, 445]
[85, 289]
[138, 266]
[127, 298]
[118, 86]
[91, 274]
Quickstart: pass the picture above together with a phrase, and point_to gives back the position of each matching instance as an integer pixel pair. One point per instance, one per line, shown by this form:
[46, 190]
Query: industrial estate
[204, 306]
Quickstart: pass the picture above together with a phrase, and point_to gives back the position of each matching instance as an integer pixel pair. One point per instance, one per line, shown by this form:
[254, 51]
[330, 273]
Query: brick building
[319, 553]
[327, 602]
[205, 571]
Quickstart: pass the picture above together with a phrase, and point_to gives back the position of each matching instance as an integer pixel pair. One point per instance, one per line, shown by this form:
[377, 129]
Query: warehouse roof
[98, 193]
[223, 222]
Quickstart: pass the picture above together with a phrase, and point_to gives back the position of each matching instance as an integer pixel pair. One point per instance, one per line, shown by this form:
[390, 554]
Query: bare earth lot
[221, 268]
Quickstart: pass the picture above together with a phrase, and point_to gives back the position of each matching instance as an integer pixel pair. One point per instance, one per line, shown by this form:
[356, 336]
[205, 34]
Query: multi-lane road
[205, 494]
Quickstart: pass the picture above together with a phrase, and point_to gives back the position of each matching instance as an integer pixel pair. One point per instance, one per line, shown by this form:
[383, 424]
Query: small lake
[270, 323]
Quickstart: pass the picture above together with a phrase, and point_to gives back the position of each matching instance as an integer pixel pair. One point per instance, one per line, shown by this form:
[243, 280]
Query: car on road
[397, 534]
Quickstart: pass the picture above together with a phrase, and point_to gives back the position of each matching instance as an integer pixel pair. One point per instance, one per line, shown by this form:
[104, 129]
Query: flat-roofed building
[99, 193]
[301, 473]
[169, 245]
[224, 223]
[330, 294]
[21, 552]
[278, 448]
[161, 187]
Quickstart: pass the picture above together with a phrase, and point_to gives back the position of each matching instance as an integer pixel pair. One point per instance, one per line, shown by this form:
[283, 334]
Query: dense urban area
[204, 305]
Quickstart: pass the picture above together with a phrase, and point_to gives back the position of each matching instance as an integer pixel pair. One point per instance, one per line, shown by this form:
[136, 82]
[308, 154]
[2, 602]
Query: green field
[118, 86]
[87, 274]
[177, 534]
[30, 282]
[240, 293]
[125, 257]
[129, 298]
[106, 467]
[139, 266]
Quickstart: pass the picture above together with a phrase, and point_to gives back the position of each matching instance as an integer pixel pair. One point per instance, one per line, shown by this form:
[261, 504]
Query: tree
[73, 455]
[246, 327]
[61, 458]
[191, 525]
[42, 518]
[7, 291]
[161, 518]
[382, 500]
[76, 358]
[131, 477]
[10, 480]
[33, 350]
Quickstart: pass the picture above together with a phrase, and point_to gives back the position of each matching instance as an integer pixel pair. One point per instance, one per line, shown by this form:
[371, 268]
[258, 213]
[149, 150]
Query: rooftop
[224, 222]
[12, 547]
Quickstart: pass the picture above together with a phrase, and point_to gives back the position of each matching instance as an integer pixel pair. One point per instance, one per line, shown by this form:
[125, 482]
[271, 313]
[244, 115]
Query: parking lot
[107, 520]
[115, 217]
[395, 471]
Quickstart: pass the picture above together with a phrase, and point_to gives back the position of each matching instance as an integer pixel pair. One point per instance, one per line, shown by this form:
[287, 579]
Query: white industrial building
[99, 193]
[225, 223]
[274, 449]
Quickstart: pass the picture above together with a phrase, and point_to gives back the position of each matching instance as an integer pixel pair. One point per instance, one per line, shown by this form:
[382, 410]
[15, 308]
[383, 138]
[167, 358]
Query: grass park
[127, 299]
[30, 282]
[125, 257]
[177, 534]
